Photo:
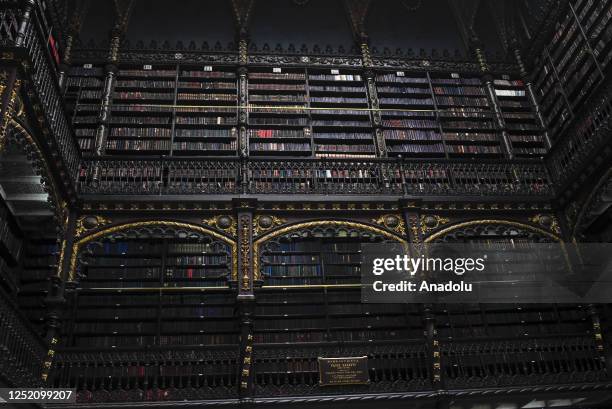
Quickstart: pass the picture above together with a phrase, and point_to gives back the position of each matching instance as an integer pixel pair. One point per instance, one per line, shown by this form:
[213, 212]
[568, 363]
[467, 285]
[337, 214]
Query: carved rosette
[86, 224]
[245, 252]
[264, 223]
[432, 222]
[391, 222]
[226, 224]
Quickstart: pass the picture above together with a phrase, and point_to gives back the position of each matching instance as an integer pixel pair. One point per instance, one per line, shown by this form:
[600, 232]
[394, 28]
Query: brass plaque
[343, 371]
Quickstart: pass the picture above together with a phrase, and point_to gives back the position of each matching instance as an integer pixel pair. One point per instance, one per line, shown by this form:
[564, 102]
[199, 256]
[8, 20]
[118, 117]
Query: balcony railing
[27, 41]
[21, 350]
[167, 176]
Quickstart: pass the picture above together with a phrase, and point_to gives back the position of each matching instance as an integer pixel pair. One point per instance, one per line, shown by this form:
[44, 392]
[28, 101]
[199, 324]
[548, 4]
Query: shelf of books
[206, 112]
[292, 308]
[341, 124]
[83, 95]
[520, 120]
[572, 66]
[39, 263]
[165, 291]
[278, 113]
[408, 113]
[467, 119]
[142, 110]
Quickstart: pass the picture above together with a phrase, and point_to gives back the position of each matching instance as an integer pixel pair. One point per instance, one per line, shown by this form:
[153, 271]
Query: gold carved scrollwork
[263, 223]
[86, 223]
[224, 223]
[547, 221]
[391, 222]
[432, 222]
[245, 251]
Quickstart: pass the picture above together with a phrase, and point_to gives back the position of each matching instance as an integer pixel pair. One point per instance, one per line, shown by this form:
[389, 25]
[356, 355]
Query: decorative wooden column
[477, 49]
[116, 36]
[28, 6]
[73, 31]
[244, 210]
[357, 11]
[55, 300]
[529, 87]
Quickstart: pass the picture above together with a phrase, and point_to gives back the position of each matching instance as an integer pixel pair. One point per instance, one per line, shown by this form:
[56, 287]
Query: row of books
[412, 135]
[344, 148]
[403, 90]
[196, 260]
[143, 84]
[206, 133]
[205, 120]
[141, 132]
[186, 96]
[84, 82]
[140, 120]
[290, 270]
[200, 311]
[410, 123]
[278, 98]
[335, 335]
[276, 133]
[465, 91]
[148, 273]
[342, 136]
[140, 95]
[204, 146]
[279, 146]
[138, 145]
[190, 273]
[319, 123]
[277, 76]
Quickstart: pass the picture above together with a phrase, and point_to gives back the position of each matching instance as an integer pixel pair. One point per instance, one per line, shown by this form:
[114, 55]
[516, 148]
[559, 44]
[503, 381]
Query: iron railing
[27, 40]
[168, 176]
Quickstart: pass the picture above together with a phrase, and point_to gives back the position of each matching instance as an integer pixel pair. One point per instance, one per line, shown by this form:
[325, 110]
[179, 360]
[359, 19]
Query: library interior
[186, 188]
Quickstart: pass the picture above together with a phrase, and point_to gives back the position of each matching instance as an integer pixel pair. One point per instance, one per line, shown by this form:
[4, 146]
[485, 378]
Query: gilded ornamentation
[224, 223]
[245, 251]
[526, 227]
[391, 222]
[86, 223]
[113, 229]
[263, 223]
[432, 222]
[547, 221]
[9, 111]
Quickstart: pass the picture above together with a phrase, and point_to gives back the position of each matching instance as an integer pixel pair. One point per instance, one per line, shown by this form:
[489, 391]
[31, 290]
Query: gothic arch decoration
[321, 228]
[491, 226]
[20, 136]
[153, 226]
[600, 197]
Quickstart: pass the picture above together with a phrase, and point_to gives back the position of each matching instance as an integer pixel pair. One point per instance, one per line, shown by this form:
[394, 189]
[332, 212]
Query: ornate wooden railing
[167, 176]
[282, 370]
[23, 40]
[539, 361]
[21, 350]
[148, 374]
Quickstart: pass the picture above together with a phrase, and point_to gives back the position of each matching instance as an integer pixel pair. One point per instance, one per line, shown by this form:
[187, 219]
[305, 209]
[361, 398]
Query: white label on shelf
[147, 67]
[276, 70]
[400, 73]
[506, 77]
[88, 66]
[208, 68]
[454, 75]
[335, 72]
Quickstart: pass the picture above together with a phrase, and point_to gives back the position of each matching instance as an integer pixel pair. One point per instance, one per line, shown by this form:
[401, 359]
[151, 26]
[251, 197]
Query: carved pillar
[488, 80]
[243, 112]
[529, 87]
[9, 93]
[246, 299]
[73, 31]
[105, 105]
[55, 300]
